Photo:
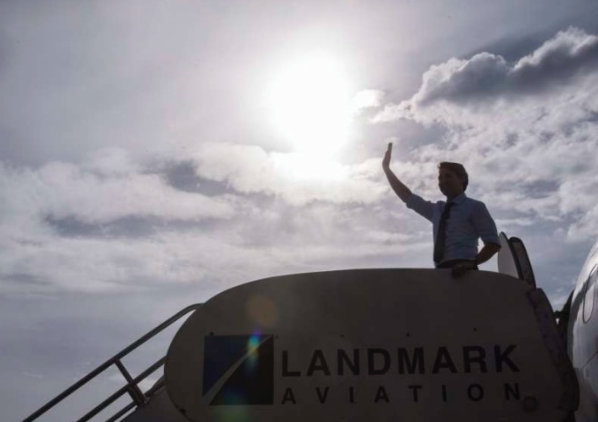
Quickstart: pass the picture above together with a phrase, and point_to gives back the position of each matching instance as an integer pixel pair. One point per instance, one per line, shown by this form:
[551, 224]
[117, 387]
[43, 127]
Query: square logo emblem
[239, 369]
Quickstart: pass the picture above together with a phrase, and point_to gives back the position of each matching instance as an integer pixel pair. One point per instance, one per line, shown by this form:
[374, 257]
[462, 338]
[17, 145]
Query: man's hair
[458, 169]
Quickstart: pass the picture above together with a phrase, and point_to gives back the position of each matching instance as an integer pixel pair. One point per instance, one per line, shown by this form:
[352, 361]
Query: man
[457, 223]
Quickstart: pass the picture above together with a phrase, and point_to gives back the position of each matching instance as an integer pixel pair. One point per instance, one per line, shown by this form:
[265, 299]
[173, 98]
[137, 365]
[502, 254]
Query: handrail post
[132, 388]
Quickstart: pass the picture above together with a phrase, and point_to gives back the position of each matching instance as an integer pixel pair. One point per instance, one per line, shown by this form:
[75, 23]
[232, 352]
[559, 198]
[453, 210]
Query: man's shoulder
[474, 202]
[415, 197]
[477, 207]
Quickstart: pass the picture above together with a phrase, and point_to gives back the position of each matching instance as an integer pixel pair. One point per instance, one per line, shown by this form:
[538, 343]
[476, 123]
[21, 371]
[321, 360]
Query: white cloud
[368, 98]
[526, 131]
[485, 81]
[262, 242]
[298, 179]
[66, 190]
[337, 202]
[36, 258]
[111, 162]
[527, 155]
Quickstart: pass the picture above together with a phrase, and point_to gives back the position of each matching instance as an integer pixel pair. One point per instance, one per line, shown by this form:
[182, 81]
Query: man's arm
[486, 228]
[400, 189]
[486, 253]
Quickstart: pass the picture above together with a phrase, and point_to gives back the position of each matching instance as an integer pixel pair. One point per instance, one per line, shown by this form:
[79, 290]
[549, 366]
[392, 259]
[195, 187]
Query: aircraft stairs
[153, 404]
[482, 314]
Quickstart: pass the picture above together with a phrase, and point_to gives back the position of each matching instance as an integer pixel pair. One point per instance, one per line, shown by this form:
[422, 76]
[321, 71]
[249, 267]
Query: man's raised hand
[386, 160]
[397, 186]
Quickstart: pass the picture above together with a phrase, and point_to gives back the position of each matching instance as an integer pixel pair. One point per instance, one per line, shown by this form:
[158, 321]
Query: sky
[154, 153]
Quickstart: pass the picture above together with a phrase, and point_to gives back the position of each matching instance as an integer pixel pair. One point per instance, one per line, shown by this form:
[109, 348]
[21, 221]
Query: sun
[309, 104]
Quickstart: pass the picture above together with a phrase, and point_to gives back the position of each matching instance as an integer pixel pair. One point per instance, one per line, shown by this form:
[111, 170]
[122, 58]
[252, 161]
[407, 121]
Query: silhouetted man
[457, 222]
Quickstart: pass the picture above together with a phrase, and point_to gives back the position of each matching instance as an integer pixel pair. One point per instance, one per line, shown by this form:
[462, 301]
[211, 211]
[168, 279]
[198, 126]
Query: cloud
[224, 213]
[111, 162]
[525, 131]
[58, 225]
[294, 177]
[485, 79]
[566, 55]
[265, 240]
[116, 224]
[104, 191]
[368, 98]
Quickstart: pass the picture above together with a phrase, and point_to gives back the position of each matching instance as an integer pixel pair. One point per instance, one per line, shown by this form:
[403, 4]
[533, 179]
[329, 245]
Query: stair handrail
[115, 360]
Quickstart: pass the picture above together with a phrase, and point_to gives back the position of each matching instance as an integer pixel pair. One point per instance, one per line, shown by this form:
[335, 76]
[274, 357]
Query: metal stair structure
[359, 344]
[154, 398]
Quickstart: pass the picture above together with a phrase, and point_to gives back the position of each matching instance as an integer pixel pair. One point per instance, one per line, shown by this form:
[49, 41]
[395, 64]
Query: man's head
[452, 179]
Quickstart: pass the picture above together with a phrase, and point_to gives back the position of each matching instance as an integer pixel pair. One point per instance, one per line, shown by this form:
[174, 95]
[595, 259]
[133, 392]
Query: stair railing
[132, 387]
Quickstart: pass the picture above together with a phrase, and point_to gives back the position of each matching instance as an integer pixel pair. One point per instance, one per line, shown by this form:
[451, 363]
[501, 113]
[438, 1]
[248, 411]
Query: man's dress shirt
[469, 220]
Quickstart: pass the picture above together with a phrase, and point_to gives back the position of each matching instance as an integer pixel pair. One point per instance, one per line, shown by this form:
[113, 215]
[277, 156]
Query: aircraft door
[589, 296]
[513, 259]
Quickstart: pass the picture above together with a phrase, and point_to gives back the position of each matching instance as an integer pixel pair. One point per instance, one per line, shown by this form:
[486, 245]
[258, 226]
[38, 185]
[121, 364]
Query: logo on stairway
[238, 369]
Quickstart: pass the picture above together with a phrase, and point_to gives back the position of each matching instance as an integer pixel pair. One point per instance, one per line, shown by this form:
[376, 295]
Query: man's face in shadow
[449, 183]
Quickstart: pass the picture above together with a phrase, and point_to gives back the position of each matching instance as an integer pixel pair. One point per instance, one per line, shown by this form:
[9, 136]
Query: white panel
[482, 355]
[506, 257]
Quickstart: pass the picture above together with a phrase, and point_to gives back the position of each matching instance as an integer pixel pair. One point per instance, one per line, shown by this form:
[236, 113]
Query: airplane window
[588, 299]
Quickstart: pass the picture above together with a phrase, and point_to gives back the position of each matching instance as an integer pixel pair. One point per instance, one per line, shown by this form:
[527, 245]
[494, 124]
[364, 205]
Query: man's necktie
[441, 234]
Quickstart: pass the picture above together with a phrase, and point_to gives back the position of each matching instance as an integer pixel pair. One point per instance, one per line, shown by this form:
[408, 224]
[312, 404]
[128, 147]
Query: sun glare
[310, 167]
[309, 105]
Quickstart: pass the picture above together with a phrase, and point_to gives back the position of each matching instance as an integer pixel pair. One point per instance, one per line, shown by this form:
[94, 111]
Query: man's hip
[453, 262]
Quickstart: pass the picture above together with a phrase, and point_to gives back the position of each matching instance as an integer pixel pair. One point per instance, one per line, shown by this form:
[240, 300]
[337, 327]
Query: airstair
[355, 345]
[141, 402]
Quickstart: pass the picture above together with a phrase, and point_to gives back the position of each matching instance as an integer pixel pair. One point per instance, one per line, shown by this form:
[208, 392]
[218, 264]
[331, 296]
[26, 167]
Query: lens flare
[253, 342]
[261, 311]
[253, 349]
